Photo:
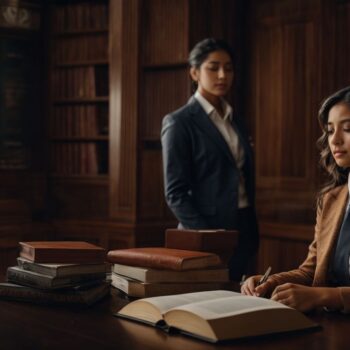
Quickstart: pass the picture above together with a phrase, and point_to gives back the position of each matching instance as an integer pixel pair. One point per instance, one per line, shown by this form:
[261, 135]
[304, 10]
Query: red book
[69, 252]
[164, 258]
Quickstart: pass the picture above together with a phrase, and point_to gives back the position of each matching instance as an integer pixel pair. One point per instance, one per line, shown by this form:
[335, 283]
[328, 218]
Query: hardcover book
[76, 295]
[144, 274]
[61, 270]
[139, 289]
[202, 240]
[164, 258]
[216, 315]
[38, 280]
[72, 252]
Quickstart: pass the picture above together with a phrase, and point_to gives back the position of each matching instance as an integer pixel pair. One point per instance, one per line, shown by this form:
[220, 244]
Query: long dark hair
[337, 175]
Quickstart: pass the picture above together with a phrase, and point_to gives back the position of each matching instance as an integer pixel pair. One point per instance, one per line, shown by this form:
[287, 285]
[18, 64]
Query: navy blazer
[200, 174]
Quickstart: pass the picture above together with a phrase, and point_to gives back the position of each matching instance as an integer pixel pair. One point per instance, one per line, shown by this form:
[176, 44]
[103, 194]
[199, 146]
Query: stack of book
[146, 272]
[63, 272]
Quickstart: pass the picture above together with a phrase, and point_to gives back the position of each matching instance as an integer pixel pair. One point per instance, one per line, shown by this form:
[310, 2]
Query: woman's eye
[329, 131]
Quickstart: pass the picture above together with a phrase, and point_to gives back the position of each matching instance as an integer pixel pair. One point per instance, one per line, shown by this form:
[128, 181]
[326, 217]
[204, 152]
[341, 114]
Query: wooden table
[28, 326]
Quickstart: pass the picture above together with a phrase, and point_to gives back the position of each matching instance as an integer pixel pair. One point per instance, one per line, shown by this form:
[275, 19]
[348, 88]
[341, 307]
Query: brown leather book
[164, 258]
[70, 252]
[202, 240]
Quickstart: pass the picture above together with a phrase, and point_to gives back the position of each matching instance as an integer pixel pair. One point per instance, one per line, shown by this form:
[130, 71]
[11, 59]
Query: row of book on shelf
[81, 48]
[77, 158]
[80, 82]
[83, 16]
[79, 121]
[181, 289]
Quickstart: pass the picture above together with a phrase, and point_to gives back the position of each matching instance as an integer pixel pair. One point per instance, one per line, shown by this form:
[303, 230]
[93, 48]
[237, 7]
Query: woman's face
[215, 75]
[338, 129]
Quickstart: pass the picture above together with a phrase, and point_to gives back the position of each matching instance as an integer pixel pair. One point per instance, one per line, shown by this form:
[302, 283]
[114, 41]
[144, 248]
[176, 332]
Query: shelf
[81, 64]
[78, 138]
[81, 32]
[102, 99]
[81, 179]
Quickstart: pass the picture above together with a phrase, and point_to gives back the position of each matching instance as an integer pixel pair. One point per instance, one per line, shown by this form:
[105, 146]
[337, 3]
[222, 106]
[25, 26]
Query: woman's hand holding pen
[252, 287]
[258, 285]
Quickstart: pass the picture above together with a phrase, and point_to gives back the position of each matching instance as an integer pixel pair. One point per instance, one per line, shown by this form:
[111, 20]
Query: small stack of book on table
[191, 261]
[57, 272]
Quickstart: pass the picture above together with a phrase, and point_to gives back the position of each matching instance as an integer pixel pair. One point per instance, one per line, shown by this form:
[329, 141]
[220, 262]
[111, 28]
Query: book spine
[22, 277]
[26, 252]
[46, 270]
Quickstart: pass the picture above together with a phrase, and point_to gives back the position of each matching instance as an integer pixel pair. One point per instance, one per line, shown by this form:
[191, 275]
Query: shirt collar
[209, 108]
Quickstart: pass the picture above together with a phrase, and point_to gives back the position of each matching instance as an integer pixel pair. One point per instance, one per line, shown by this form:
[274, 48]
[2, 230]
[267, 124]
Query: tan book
[74, 252]
[139, 289]
[61, 270]
[216, 315]
[145, 274]
[164, 258]
[38, 280]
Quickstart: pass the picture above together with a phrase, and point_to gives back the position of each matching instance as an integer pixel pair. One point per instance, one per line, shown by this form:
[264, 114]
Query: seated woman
[323, 279]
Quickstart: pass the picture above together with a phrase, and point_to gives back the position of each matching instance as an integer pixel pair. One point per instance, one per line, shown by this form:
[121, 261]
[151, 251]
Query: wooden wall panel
[164, 90]
[342, 51]
[152, 201]
[284, 62]
[164, 31]
[80, 200]
[282, 101]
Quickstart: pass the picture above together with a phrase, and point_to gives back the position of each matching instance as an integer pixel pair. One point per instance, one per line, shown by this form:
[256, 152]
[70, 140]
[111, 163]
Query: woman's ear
[194, 72]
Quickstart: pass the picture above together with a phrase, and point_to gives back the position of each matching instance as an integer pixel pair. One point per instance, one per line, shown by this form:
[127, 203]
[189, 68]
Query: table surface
[29, 326]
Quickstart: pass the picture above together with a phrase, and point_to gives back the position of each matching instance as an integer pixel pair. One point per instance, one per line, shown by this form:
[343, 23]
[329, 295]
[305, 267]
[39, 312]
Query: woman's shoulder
[184, 110]
[335, 192]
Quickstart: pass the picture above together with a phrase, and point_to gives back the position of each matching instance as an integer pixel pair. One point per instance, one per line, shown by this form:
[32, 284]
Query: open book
[216, 315]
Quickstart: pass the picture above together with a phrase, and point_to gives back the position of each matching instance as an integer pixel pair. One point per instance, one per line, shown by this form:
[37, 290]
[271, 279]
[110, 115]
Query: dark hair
[338, 176]
[202, 49]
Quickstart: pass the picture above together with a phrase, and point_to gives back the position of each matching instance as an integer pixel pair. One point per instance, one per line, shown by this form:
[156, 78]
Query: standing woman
[323, 279]
[207, 159]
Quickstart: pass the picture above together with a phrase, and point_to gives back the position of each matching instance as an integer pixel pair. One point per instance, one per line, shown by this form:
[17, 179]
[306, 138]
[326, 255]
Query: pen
[242, 280]
[266, 275]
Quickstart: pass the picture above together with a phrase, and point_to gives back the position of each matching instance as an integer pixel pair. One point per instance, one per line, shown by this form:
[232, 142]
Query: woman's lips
[339, 154]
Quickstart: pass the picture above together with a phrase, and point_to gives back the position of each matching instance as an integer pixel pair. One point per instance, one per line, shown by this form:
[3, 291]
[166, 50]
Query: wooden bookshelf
[79, 111]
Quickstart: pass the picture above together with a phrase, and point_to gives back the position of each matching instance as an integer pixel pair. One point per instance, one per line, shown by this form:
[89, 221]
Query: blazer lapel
[206, 125]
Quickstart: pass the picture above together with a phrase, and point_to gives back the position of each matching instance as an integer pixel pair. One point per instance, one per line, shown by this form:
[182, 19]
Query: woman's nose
[336, 138]
[221, 73]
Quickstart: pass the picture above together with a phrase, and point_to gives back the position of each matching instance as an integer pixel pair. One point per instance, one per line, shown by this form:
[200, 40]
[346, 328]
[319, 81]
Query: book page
[165, 303]
[228, 306]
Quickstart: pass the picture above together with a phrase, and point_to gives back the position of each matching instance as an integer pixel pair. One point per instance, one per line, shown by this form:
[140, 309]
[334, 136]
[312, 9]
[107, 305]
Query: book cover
[76, 295]
[164, 258]
[74, 252]
[139, 289]
[144, 274]
[61, 270]
[217, 315]
[202, 240]
[37, 280]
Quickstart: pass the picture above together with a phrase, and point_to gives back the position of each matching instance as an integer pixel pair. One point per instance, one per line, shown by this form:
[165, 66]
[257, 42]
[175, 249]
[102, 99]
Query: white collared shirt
[223, 124]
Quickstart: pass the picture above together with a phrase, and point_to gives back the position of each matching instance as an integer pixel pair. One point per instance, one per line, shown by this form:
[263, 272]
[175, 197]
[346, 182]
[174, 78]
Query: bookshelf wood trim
[102, 99]
[80, 32]
[68, 64]
[124, 83]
